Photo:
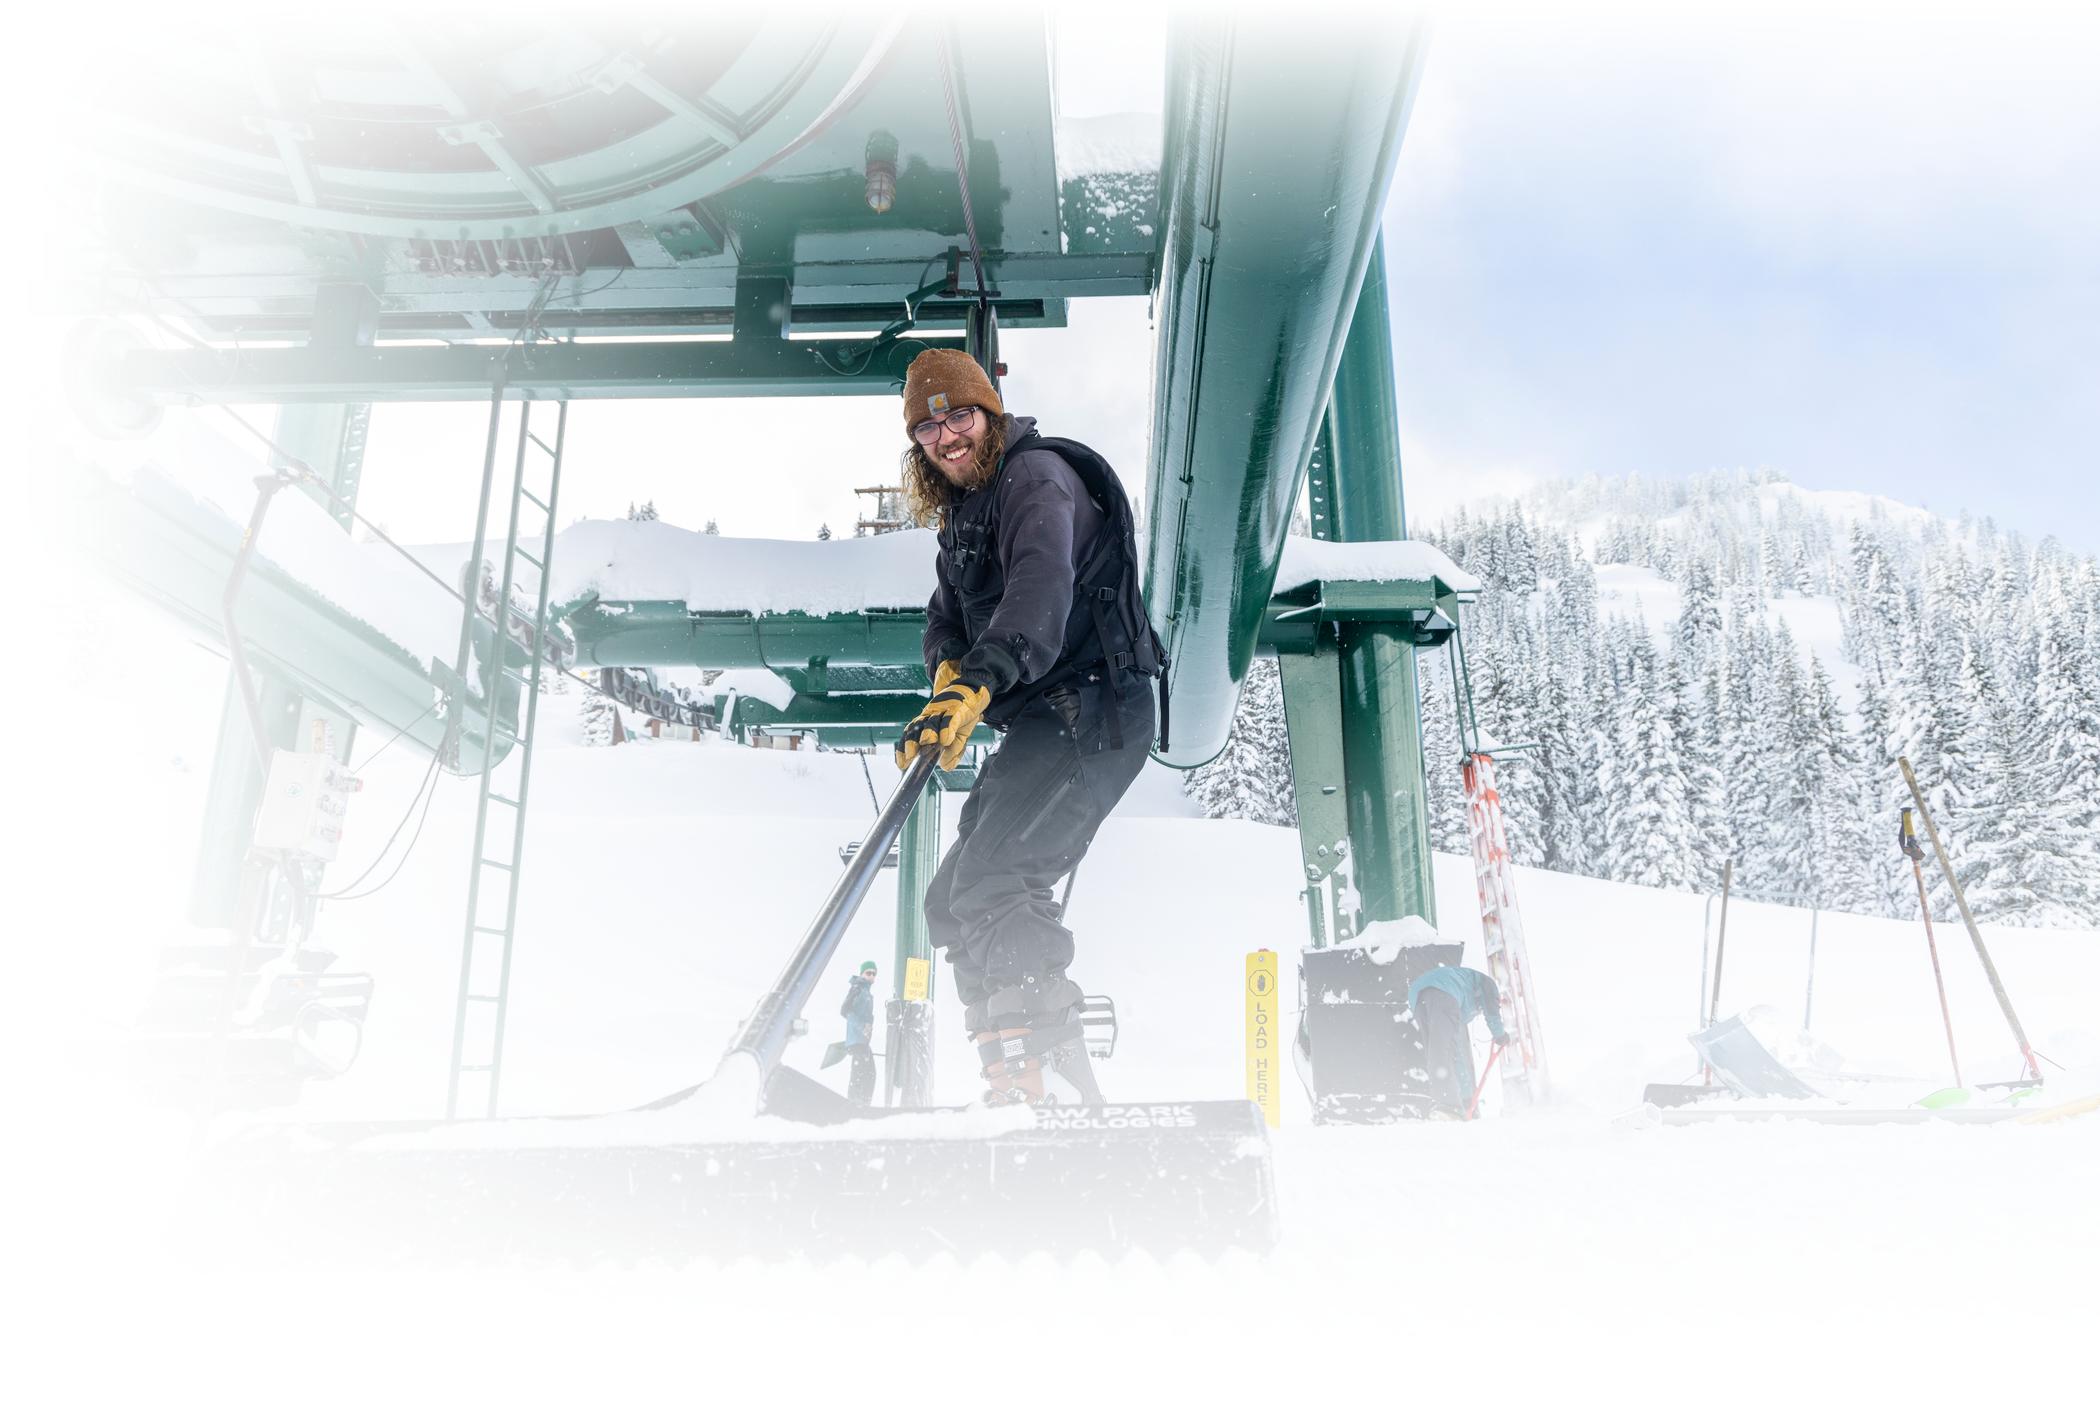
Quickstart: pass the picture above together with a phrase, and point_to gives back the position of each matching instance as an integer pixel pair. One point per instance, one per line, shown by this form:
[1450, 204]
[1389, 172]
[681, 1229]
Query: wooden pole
[1961, 902]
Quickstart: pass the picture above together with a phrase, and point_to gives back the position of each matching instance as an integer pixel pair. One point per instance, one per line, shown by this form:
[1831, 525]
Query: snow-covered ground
[1557, 1252]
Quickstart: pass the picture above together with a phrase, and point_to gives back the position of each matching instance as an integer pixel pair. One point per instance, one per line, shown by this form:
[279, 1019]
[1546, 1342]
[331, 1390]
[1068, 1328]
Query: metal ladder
[492, 881]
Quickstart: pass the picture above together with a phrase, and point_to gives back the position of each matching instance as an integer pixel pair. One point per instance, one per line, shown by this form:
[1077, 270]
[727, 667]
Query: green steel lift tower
[749, 202]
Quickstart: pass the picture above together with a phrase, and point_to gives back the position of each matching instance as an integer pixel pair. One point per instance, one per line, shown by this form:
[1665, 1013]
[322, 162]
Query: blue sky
[1863, 251]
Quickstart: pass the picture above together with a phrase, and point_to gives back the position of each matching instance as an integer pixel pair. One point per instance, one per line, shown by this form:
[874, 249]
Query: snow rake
[699, 1174]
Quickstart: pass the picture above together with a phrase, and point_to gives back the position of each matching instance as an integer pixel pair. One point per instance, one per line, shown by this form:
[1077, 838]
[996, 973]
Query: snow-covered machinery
[762, 1158]
[246, 1020]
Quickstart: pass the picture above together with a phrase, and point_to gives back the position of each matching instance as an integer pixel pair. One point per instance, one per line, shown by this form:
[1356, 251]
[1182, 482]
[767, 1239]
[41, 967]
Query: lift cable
[962, 169]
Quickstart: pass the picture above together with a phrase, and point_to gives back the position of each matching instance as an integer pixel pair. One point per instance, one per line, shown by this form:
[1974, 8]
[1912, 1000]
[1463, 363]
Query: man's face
[956, 449]
[868, 973]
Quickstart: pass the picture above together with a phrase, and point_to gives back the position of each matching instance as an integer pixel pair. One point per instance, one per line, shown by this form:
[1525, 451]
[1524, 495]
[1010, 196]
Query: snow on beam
[649, 561]
[1307, 561]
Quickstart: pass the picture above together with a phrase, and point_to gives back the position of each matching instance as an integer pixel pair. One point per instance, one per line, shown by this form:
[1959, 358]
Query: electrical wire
[428, 710]
[413, 838]
[425, 790]
[870, 777]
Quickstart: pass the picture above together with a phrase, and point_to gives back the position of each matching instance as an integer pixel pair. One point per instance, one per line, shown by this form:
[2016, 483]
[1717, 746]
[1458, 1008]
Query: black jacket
[1009, 557]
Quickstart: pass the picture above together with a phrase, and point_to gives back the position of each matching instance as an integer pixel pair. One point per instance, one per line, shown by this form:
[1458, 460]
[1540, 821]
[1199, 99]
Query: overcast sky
[1860, 252]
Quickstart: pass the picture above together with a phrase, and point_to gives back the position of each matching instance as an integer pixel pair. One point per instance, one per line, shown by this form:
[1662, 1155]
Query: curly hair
[928, 494]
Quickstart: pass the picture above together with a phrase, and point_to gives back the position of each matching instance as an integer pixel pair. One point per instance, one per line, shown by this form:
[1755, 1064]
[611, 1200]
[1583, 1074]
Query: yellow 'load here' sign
[1264, 1037]
[917, 973]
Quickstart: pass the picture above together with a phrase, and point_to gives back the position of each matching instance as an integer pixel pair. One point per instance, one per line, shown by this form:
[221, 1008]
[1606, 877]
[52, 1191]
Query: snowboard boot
[998, 1084]
[1013, 1069]
[1035, 1020]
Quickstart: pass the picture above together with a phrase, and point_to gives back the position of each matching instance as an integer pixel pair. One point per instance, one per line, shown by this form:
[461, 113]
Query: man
[859, 1011]
[1442, 1004]
[1036, 628]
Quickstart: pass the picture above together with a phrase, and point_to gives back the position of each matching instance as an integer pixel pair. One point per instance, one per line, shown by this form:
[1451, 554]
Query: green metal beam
[626, 370]
[697, 299]
[880, 712]
[1263, 250]
[179, 553]
[665, 633]
[1425, 613]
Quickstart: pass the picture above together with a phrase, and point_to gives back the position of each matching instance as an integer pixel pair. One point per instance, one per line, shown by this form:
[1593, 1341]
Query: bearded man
[1036, 628]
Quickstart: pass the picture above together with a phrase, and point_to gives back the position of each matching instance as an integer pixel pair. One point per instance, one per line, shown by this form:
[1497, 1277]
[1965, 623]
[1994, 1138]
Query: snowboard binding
[1016, 1057]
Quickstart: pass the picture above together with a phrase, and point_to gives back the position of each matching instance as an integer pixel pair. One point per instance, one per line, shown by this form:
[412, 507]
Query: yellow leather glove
[947, 674]
[945, 724]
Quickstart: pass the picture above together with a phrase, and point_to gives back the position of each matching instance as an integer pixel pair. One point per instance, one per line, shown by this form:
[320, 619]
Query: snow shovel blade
[1057, 1178]
[1742, 1063]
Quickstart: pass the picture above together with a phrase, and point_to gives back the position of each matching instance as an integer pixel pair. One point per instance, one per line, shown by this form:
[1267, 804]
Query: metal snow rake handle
[766, 1032]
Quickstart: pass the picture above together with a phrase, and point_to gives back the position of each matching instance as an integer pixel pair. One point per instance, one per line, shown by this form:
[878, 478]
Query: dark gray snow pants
[1030, 818]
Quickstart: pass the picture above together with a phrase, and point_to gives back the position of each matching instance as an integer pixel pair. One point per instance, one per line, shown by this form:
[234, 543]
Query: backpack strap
[1098, 599]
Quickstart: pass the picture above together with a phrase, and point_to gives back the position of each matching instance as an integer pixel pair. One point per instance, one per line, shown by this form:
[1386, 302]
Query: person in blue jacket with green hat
[859, 1011]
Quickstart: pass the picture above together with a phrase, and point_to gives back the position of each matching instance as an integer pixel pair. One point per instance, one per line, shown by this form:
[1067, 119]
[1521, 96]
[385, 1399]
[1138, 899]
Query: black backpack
[1105, 597]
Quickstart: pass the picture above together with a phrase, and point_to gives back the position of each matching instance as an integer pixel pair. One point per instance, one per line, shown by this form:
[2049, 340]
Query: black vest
[1107, 629]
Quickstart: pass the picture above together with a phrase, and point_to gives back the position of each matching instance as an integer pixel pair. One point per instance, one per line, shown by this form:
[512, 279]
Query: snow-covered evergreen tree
[598, 715]
[1960, 646]
[1251, 777]
[1648, 811]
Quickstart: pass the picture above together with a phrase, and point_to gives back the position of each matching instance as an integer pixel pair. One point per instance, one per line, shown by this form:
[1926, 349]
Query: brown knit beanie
[942, 379]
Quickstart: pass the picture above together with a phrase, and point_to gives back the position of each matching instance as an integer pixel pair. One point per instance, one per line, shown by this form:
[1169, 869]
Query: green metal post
[918, 856]
[235, 793]
[1312, 705]
[1388, 807]
[330, 437]
[330, 440]
[910, 1047]
[1381, 698]
[1363, 419]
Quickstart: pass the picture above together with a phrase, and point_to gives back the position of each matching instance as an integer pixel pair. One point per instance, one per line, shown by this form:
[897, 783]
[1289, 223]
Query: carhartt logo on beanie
[941, 380]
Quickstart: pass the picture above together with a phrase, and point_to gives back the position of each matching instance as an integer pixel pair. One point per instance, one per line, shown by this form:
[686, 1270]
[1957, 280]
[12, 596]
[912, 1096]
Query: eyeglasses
[959, 421]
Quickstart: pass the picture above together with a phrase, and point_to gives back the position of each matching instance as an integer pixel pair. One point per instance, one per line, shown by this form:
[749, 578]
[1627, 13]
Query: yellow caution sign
[1264, 1037]
[918, 975]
